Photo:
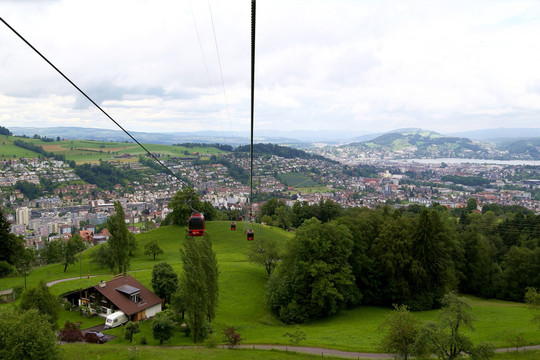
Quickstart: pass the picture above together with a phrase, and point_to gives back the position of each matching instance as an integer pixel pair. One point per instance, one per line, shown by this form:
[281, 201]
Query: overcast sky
[321, 65]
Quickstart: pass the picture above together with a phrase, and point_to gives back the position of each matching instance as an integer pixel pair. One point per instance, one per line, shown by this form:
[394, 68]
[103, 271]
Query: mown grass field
[9, 151]
[89, 151]
[242, 305]
[295, 180]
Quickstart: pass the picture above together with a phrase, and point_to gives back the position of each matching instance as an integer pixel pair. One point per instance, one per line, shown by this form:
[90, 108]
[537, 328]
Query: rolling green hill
[242, 303]
[89, 151]
[421, 143]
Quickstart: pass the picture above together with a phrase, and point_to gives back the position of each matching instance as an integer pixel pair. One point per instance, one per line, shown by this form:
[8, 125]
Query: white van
[115, 319]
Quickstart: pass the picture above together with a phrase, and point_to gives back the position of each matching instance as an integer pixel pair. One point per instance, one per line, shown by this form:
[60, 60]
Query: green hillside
[10, 151]
[89, 151]
[419, 143]
[242, 303]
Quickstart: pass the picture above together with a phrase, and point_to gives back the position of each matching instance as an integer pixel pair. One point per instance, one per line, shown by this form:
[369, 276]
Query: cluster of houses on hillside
[79, 206]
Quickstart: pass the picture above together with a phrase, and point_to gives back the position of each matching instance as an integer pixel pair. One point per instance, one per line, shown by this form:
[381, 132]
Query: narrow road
[320, 351]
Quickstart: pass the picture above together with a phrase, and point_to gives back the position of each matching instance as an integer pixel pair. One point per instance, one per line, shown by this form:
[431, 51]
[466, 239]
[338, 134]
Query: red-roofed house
[120, 294]
[87, 235]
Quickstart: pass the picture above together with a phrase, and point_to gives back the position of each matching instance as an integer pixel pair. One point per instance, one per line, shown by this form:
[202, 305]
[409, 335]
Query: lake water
[471, 161]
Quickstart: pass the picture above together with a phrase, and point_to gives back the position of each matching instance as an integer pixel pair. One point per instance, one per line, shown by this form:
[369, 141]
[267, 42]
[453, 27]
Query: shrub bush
[231, 338]
[70, 333]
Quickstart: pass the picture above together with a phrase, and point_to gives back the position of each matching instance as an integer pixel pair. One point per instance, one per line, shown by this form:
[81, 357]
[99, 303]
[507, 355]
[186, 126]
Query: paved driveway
[98, 328]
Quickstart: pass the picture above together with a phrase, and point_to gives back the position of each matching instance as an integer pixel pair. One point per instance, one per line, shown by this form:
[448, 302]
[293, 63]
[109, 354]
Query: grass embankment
[241, 298]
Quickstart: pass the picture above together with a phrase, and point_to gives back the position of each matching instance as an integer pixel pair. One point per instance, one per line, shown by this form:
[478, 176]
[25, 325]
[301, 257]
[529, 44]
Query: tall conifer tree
[119, 240]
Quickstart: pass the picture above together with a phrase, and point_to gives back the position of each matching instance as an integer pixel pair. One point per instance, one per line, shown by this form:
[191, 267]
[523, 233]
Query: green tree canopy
[119, 242]
[182, 203]
[401, 329]
[164, 281]
[10, 245]
[27, 335]
[163, 326]
[265, 252]
[130, 329]
[314, 279]
[199, 283]
[445, 338]
[52, 252]
[152, 248]
[41, 299]
[70, 249]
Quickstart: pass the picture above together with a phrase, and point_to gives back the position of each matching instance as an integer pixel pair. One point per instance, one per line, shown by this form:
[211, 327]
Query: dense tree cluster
[105, 175]
[367, 171]
[466, 180]
[184, 203]
[401, 256]
[39, 149]
[12, 252]
[286, 152]
[218, 146]
[27, 335]
[5, 131]
[315, 278]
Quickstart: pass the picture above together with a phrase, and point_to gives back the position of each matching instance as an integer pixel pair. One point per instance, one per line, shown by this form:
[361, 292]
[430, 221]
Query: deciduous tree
[10, 244]
[265, 252]
[163, 326]
[152, 248]
[52, 252]
[130, 329]
[315, 278]
[70, 249]
[164, 281]
[182, 203]
[401, 329]
[445, 338]
[41, 299]
[27, 335]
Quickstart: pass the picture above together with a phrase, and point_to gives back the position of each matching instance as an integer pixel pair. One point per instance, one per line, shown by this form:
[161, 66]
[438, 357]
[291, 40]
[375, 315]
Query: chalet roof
[118, 290]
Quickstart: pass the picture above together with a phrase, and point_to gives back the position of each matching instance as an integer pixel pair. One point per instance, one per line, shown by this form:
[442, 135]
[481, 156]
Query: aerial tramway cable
[93, 102]
[250, 235]
[196, 221]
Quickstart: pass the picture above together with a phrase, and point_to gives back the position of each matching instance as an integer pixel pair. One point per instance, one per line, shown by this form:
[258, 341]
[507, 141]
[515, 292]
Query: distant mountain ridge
[79, 133]
[499, 133]
[418, 143]
[408, 142]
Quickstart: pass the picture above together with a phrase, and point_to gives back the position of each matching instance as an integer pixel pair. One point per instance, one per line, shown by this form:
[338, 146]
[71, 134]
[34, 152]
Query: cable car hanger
[196, 225]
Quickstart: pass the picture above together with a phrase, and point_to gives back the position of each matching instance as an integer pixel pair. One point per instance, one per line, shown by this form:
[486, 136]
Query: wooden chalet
[122, 293]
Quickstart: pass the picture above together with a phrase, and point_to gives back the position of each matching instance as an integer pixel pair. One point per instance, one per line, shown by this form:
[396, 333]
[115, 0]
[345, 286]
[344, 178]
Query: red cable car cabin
[250, 235]
[233, 226]
[196, 224]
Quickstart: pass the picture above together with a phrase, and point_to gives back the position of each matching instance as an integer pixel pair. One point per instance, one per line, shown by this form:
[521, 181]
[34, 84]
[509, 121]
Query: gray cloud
[350, 65]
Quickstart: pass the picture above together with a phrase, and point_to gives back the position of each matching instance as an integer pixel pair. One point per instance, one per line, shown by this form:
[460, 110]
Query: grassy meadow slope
[242, 305]
[90, 151]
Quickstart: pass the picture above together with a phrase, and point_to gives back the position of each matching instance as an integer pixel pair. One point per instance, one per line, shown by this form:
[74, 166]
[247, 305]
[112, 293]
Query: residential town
[79, 206]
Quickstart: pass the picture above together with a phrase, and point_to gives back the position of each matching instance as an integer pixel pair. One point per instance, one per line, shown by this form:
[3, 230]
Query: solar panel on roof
[128, 289]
